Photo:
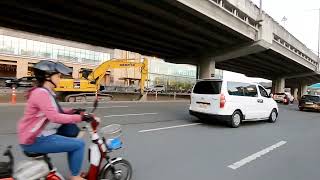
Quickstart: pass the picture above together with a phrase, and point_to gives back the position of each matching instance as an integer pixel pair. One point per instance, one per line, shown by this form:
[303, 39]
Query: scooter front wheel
[117, 169]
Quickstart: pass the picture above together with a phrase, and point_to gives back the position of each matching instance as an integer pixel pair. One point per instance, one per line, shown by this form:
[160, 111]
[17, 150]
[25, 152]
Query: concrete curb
[109, 102]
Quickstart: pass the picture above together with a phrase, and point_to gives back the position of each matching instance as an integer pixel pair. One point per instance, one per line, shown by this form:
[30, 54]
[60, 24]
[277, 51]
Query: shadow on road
[211, 122]
[221, 124]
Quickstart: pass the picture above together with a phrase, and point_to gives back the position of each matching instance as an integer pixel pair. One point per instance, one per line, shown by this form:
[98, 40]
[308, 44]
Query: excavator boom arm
[98, 73]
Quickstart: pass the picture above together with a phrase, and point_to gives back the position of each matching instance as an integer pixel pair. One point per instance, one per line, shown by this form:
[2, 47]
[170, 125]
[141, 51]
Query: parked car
[4, 79]
[157, 88]
[311, 102]
[232, 102]
[10, 82]
[21, 82]
[280, 97]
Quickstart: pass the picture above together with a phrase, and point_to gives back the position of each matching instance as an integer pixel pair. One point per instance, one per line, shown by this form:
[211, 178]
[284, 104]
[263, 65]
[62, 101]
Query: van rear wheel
[235, 120]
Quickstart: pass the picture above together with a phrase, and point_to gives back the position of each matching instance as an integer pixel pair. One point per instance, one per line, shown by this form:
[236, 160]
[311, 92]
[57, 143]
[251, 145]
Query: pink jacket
[39, 111]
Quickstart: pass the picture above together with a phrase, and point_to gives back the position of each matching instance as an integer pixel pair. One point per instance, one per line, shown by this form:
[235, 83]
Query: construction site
[120, 72]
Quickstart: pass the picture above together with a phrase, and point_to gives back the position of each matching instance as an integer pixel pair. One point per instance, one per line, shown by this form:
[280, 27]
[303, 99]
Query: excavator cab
[85, 73]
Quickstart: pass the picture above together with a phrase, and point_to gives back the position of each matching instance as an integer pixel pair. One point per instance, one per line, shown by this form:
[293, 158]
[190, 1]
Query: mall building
[19, 51]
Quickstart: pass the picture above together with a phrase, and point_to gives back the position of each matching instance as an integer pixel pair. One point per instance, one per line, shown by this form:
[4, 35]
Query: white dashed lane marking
[256, 155]
[123, 115]
[170, 127]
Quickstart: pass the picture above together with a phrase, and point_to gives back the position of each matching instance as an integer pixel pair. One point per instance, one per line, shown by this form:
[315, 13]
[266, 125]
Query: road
[163, 142]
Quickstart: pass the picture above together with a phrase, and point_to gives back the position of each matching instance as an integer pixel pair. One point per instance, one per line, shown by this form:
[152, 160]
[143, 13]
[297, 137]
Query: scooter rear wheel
[119, 170]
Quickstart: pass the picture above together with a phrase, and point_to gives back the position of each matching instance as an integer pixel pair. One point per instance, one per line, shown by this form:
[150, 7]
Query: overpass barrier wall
[270, 31]
[291, 48]
[236, 12]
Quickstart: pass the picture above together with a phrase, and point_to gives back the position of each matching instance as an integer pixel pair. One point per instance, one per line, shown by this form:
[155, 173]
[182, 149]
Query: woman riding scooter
[39, 129]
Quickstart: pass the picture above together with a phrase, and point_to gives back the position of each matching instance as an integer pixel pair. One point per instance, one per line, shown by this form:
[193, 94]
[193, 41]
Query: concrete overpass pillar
[303, 89]
[207, 68]
[278, 85]
[281, 85]
[197, 72]
[273, 88]
[295, 93]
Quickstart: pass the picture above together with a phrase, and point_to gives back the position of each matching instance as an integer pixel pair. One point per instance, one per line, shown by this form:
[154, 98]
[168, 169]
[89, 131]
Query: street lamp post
[260, 7]
[284, 19]
[319, 34]
[318, 30]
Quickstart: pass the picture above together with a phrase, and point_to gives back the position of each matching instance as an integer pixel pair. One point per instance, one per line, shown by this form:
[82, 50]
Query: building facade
[19, 51]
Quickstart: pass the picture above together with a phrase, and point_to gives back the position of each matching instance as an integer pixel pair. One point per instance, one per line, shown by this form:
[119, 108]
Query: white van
[232, 102]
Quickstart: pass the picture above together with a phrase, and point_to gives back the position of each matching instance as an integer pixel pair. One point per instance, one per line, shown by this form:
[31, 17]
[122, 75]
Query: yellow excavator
[72, 90]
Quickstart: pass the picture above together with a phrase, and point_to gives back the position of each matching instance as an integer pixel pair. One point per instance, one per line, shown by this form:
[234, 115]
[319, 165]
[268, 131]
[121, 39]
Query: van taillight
[222, 100]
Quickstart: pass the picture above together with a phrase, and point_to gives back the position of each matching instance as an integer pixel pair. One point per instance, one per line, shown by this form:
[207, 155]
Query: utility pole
[318, 30]
[260, 7]
[319, 34]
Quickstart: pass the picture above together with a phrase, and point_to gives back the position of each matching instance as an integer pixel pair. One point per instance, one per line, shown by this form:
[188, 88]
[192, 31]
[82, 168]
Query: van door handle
[260, 100]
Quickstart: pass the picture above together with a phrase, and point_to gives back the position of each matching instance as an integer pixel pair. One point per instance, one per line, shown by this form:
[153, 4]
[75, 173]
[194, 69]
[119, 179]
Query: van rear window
[208, 87]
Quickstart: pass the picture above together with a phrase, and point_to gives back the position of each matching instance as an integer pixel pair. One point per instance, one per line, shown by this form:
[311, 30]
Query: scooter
[41, 167]
[286, 100]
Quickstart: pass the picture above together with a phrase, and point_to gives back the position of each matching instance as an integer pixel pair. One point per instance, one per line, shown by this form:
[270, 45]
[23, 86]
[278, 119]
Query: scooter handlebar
[93, 124]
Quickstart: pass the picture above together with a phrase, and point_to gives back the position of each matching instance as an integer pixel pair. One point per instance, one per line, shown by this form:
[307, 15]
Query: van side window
[235, 88]
[242, 89]
[263, 92]
[251, 90]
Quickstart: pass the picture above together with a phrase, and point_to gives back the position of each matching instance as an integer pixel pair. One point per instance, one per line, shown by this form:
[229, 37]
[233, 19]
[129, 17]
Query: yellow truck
[88, 84]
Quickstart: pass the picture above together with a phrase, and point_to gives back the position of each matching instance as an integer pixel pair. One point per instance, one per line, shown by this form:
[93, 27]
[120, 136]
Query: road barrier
[13, 96]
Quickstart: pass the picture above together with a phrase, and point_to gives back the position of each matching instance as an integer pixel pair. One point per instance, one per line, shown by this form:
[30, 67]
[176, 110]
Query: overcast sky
[302, 22]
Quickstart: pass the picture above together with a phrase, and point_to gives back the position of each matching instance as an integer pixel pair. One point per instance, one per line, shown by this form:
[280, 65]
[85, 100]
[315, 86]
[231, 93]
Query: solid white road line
[121, 115]
[256, 155]
[170, 127]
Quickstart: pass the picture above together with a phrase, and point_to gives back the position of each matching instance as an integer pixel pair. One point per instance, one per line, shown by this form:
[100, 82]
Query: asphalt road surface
[163, 142]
